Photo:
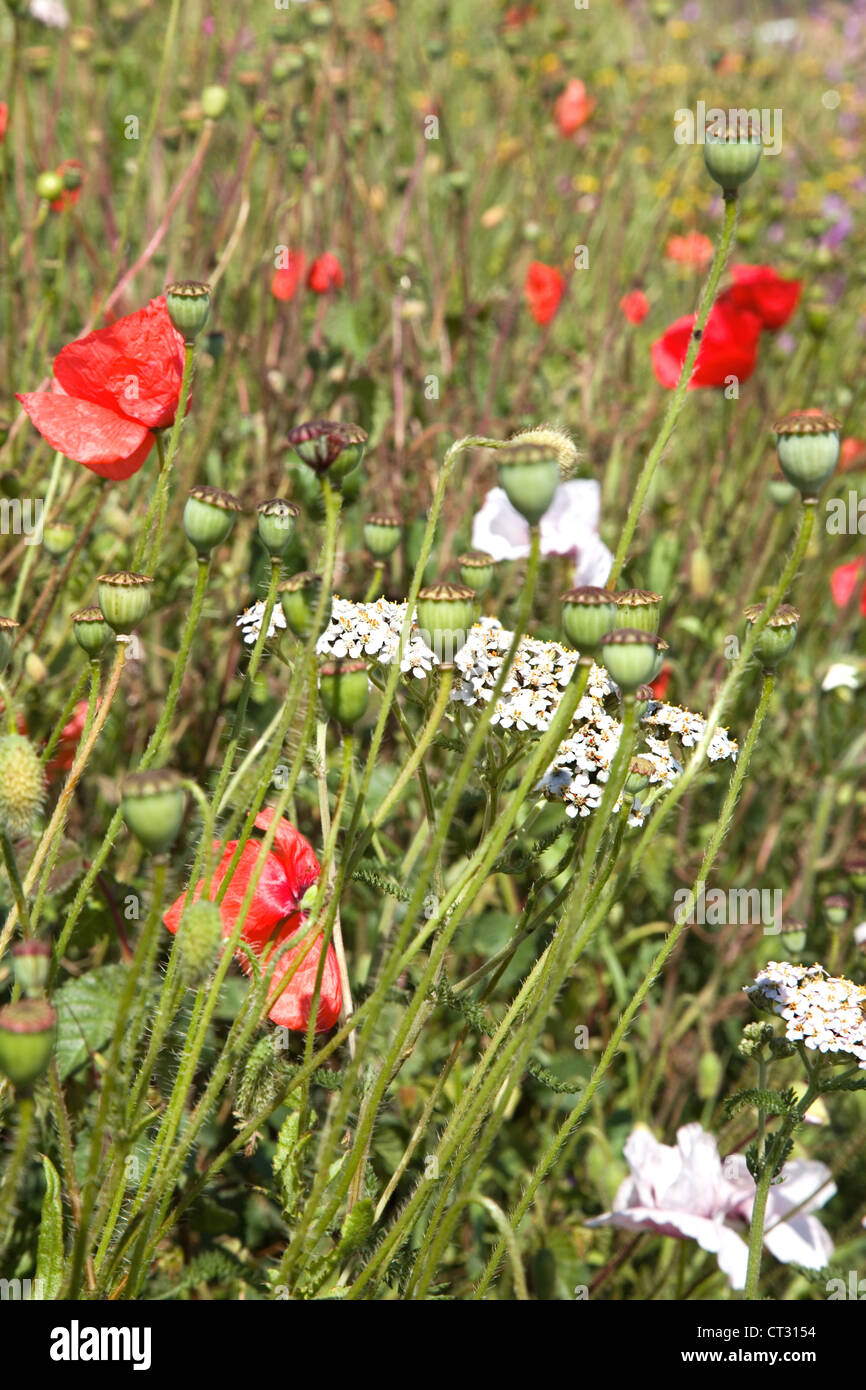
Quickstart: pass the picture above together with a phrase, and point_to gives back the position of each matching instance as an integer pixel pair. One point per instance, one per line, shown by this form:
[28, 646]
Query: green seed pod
[22, 785]
[639, 608]
[319, 17]
[58, 539]
[795, 937]
[153, 805]
[780, 634]
[277, 519]
[588, 615]
[357, 1226]
[209, 516]
[27, 1030]
[299, 597]
[49, 186]
[92, 632]
[709, 1075]
[31, 965]
[836, 909]
[630, 656]
[198, 942]
[345, 690]
[780, 491]
[640, 770]
[732, 158]
[477, 569]
[7, 641]
[529, 472]
[214, 101]
[330, 447]
[382, 533]
[808, 449]
[124, 599]
[188, 304]
[444, 616]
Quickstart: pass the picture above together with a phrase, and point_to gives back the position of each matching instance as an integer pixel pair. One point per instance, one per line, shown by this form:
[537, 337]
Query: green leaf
[86, 1015]
[49, 1253]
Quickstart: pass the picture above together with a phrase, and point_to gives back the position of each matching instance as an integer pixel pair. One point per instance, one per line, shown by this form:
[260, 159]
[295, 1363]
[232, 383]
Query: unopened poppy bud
[836, 909]
[382, 534]
[630, 656]
[124, 599]
[732, 158]
[31, 965]
[22, 785]
[209, 516]
[357, 1226]
[92, 632]
[331, 448]
[188, 305]
[445, 614]
[198, 943]
[268, 120]
[7, 641]
[529, 471]
[780, 491]
[808, 449]
[153, 805]
[58, 539]
[638, 608]
[214, 101]
[27, 1030]
[49, 186]
[817, 313]
[780, 634]
[299, 597]
[588, 615]
[345, 690]
[477, 569]
[277, 519]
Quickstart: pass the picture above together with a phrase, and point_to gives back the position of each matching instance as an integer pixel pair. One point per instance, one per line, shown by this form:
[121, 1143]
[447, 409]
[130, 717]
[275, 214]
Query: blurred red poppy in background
[69, 197]
[67, 744]
[326, 274]
[635, 306]
[274, 918]
[694, 249]
[573, 107]
[729, 348]
[544, 289]
[4, 120]
[763, 291]
[288, 277]
[845, 581]
[111, 390]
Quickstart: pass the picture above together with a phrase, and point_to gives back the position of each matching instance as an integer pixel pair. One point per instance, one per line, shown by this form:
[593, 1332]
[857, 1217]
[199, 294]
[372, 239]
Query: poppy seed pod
[732, 158]
[529, 472]
[124, 599]
[208, 517]
[7, 641]
[382, 534]
[153, 805]
[58, 539]
[639, 608]
[27, 1030]
[639, 772]
[92, 632]
[780, 491]
[277, 519]
[214, 101]
[22, 785]
[780, 634]
[188, 305]
[31, 964]
[630, 656]
[836, 909]
[345, 690]
[299, 597]
[331, 448]
[808, 449]
[444, 615]
[477, 569]
[588, 615]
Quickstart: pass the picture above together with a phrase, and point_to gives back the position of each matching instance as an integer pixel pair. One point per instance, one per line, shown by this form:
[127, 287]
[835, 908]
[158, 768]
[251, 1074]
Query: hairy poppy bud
[630, 656]
[331, 448]
[58, 539]
[382, 534]
[153, 805]
[356, 1227]
[277, 519]
[299, 597]
[188, 305]
[31, 964]
[345, 690]
[27, 1031]
[124, 599]
[92, 632]
[639, 608]
[445, 614]
[780, 634]
[7, 641]
[22, 785]
[477, 569]
[808, 449]
[209, 516]
[588, 615]
[732, 158]
[201, 931]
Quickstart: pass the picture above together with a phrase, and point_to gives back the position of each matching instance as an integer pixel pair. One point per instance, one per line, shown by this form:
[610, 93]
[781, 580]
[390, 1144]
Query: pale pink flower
[568, 527]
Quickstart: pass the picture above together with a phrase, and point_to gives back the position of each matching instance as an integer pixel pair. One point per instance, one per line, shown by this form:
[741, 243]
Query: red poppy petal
[134, 366]
[292, 1009]
[295, 853]
[102, 440]
[844, 581]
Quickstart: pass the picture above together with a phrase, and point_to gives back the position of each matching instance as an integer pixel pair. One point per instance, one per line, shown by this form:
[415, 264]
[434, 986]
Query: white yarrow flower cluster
[690, 729]
[250, 621]
[824, 1012]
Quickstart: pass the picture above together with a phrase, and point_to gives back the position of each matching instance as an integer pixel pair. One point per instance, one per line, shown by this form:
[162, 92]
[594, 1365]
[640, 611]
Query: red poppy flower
[695, 249]
[544, 289]
[288, 277]
[729, 347]
[852, 454]
[67, 744]
[69, 197]
[326, 274]
[517, 15]
[762, 291]
[573, 107]
[274, 918]
[845, 581]
[4, 120]
[635, 306]
[111, 390]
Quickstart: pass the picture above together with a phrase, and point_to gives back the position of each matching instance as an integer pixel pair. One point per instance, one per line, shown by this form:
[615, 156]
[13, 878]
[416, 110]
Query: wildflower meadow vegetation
[432, 657]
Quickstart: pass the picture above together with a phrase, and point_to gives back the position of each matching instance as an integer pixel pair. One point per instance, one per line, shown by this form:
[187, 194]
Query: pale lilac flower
[568, 527]
[52, 13]
[798, 1238]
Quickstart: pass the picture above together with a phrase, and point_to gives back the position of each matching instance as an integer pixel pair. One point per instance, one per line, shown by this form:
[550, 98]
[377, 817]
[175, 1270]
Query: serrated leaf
[49, 1253]
[86, 1014]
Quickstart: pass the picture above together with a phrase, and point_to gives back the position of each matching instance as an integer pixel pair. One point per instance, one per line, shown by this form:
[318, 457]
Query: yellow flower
[550, 63]
[585, 183]
[679, 29]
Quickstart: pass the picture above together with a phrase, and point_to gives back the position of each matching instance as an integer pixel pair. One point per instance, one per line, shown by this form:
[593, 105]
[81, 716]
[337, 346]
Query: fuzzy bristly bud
[198, 942]
[22, 785]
